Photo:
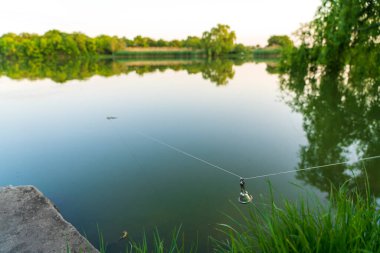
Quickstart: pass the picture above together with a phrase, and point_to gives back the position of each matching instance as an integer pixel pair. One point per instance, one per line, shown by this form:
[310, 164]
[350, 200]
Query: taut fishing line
[315, 167]
[244, 196]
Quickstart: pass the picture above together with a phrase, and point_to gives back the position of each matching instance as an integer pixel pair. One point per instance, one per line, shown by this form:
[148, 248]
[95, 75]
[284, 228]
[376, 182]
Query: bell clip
[244, 197]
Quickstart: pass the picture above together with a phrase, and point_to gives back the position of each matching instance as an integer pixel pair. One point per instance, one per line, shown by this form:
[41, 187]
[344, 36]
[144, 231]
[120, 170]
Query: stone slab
[30, 223]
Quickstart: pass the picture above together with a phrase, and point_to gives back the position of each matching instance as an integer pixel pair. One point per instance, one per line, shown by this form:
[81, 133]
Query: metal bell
[244, 197]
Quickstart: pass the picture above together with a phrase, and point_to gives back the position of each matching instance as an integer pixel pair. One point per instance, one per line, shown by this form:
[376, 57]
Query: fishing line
[311, 168]
[244, 195]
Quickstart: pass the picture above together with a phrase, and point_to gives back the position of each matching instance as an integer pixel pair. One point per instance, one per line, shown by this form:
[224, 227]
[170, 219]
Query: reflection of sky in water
[353, 154]
[57, 137]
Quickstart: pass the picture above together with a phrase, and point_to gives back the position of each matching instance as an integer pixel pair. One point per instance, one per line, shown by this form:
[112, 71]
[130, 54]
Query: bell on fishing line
[244, 197]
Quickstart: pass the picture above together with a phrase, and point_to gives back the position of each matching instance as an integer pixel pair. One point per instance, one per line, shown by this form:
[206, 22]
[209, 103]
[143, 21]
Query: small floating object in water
[111, 117]
[124, 235]
[244, 197]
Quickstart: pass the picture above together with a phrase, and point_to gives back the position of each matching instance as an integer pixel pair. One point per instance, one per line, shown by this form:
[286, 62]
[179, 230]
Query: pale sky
[252, 20]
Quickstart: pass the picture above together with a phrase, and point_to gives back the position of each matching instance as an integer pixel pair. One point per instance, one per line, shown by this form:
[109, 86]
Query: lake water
[104, 172]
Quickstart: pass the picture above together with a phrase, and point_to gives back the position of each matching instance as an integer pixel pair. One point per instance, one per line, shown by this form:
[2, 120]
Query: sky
[254, 21]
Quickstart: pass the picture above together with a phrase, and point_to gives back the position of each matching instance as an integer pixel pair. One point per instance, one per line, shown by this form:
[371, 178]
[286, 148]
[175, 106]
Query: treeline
[55, 44]
[140, 41]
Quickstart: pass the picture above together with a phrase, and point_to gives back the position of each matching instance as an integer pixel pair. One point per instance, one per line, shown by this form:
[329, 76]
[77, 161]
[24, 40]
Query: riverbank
[160, 52]
[189, 53]
[267, 53]
[30, 222]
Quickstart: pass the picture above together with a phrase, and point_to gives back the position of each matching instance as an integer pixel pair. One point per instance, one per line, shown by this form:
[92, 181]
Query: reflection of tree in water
[59, 71]
[217, 71]
[341, 113]
[272, 67]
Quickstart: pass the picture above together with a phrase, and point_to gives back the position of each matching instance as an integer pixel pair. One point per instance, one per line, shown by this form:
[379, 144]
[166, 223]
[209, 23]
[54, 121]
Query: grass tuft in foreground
[176, 244]
[349, 223]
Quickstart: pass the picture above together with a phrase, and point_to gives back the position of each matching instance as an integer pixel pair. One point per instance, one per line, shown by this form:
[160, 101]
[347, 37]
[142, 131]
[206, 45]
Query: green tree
[8, 44]
[280, 40]
[116, 44]
[140, 41]
[81, 40]
[219, 41]
[162, 43]
[240, 49]
[192, 42]
[339, 27]
[175, 43]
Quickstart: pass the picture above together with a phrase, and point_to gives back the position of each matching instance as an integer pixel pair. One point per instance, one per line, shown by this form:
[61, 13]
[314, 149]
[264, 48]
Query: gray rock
[30, 223]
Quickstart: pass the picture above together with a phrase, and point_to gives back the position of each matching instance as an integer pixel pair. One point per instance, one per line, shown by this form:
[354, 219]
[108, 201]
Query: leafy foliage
[220, 40]
[56, 45]
[341, 26]
[281, 41]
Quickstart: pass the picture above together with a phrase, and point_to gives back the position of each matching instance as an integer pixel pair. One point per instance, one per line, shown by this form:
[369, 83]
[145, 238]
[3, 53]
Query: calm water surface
[98, 171]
